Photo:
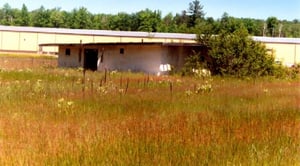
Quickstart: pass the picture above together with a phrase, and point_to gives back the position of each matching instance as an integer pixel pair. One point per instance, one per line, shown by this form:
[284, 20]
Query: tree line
[191, 20]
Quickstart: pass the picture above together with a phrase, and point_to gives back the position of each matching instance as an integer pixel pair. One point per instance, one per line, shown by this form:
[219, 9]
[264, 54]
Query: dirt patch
[16, 63]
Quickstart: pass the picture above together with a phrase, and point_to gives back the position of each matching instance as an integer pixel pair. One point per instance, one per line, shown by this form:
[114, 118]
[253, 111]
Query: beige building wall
[146, 58]
[106, 39]
[64, 38]
[287, 54]
[28, 41]
[19, 41]
[135, 58]
[45, 38]
[71, 60]
[10, 41]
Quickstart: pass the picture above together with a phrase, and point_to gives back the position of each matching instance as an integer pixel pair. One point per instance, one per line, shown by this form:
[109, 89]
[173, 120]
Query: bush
[237, 54]
[285, 72]
[194, 64]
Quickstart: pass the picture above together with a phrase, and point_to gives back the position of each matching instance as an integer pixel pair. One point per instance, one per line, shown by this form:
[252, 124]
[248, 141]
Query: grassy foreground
[56, 117]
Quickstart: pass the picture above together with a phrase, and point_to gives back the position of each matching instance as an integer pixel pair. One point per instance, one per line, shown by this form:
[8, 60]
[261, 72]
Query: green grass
[56, 117]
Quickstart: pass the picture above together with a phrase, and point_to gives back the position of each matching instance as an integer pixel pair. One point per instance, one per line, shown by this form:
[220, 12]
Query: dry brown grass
[49, 117]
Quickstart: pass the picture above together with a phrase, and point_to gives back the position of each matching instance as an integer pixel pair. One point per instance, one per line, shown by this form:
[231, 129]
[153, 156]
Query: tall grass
[58, 117]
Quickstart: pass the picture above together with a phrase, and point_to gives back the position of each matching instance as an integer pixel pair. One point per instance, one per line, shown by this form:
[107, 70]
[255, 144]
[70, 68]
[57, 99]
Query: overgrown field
[52, 116]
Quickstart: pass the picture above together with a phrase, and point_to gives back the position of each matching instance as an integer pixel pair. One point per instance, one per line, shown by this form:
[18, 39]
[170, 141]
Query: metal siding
[44, 38]
[286, 53]
[28, 41]
[10, 41]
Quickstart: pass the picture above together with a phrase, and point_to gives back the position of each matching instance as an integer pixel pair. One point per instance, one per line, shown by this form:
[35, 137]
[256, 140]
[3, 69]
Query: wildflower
[266, 90]
[60, 102]
[113, 72]
[188, 93]
[70, 103]
[38, 87]
[207, 87]
[178, 81]
[121, 90]
[80, 69]
[102, 90]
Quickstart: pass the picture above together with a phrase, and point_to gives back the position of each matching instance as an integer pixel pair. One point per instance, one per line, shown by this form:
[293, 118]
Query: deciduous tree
[41, 17]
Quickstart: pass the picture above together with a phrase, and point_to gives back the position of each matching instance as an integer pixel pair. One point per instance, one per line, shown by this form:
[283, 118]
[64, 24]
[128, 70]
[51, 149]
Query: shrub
[195, 65]
[237, 54]
[286, 72]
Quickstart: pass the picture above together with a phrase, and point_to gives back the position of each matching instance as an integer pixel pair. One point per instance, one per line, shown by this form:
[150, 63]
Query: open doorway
[90, 59]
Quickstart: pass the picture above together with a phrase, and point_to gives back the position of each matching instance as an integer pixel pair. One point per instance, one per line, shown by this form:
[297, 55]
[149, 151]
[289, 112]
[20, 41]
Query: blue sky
[261, 9]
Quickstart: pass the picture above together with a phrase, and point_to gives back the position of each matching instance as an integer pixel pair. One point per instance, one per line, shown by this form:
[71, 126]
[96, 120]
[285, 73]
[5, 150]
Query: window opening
[68, 51]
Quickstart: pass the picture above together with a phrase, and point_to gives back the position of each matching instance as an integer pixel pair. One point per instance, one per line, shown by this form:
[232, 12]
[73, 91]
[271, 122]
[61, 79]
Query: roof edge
[91, 32]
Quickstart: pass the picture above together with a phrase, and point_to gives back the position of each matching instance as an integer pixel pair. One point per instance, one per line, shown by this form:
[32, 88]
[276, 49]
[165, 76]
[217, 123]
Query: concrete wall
[145, 58]
[136, 57]
[72, 60]
[176, 55]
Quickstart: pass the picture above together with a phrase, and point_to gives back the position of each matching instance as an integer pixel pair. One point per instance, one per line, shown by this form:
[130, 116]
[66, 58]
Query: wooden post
[171, 88]
[105, 75]
[80, 52]
[83, 82]
[127, 85]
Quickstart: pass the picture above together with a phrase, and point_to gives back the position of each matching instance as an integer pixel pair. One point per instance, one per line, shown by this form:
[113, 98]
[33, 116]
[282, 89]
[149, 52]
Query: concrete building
[151, 57]
[47, 40]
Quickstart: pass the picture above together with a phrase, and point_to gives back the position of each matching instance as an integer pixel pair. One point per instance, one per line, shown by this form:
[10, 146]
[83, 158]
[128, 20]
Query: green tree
[252, 26]
[237, 54]
[24, 16]
[168, 23]
[148, 20]
[122, 21]
[7, 15]
[102, 21]
[291, 28]
[229, 23]
[56, 18]
[40, 17]
[195, 12]
[272, 25]
[181, 21]
[81, 19]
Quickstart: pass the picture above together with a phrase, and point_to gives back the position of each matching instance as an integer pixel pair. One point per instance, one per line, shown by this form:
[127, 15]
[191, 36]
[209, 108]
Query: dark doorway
[90, 59]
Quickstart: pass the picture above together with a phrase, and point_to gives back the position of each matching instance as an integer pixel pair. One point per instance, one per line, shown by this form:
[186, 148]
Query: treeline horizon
[190, 20]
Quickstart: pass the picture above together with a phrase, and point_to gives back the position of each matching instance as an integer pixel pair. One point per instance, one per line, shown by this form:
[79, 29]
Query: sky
[258, 9]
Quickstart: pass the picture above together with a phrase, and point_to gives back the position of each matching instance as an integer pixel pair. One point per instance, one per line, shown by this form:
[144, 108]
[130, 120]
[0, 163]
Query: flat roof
[134, 34]
[123, 43]
[99, 32]
[280, 40]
